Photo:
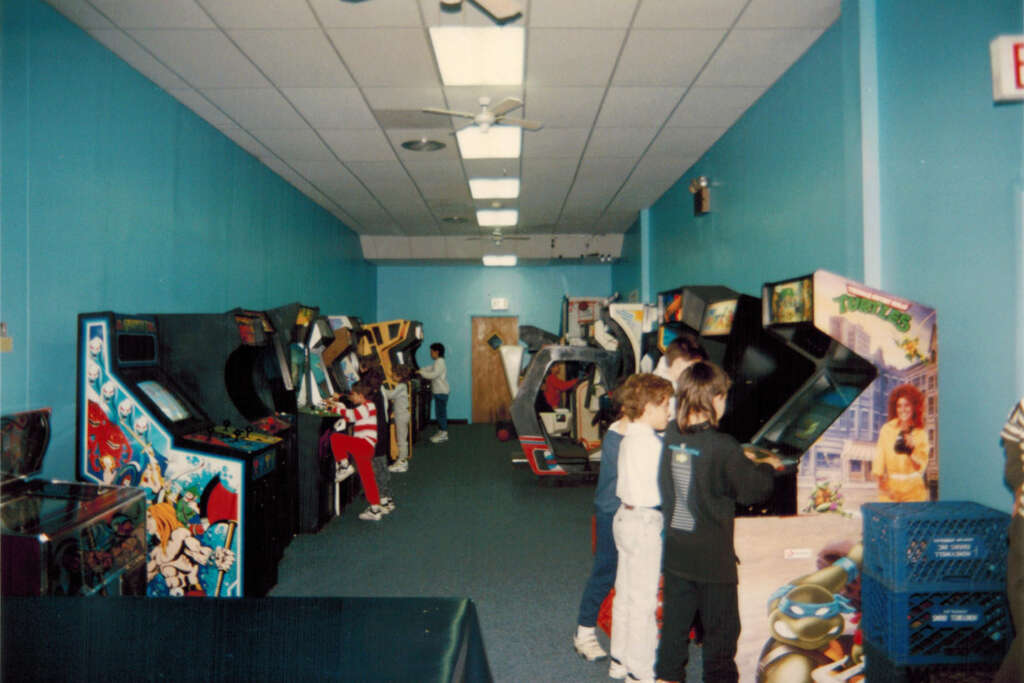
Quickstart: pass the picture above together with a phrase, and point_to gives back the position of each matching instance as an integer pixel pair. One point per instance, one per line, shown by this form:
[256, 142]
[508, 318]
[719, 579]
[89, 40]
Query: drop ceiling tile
[388, 180]
[191, 52]
[790, 14]
[757, 56]
[613, 222]
[125, 47]
[592, 14]
[329, 173]
[665, 57]
[81, 13]
[277, 14]
[442, 191]
[436, 172]
[387, 57]
[637, 107]
[195, 101]
[685, 142]
[627, 143]
[293, 144]
[255, 107]
[595, 186]
[154, 13]
[714, 106]
[405, 98]
[358, 145]
[555, 143]
[688, 13]
[399, 135]
[563, 106]
[652, 177]
[331, 107]
[578, 57]
[540, 213]
[388, 13]
[294, 58]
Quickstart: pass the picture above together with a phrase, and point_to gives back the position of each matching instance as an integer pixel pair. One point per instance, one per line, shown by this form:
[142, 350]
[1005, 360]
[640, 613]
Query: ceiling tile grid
[630, 93]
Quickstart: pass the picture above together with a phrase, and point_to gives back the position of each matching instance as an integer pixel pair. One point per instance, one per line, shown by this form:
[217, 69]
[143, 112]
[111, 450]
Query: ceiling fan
[498, 237]
[488, 116]
[500, 10]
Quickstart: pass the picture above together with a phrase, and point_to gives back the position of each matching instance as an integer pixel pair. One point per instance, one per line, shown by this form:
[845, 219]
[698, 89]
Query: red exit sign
[1007, 68]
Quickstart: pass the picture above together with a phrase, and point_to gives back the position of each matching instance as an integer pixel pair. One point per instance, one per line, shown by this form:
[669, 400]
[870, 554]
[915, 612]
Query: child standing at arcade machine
[637, 529]
[703, 474]
[606, 557]
[437, 373]
[359, 446]
[401, 414]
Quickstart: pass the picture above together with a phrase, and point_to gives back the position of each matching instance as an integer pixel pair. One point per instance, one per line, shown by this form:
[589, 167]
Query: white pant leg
[402, 437]
[617, 647]
[634, 619]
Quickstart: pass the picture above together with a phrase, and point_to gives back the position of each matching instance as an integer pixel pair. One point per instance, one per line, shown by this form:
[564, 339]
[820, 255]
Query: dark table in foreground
[244, 639]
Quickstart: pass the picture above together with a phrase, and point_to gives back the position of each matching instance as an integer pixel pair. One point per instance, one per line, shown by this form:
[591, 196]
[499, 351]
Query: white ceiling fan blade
[506, 105]
[522, 123]
[501, 10]
[448, 112]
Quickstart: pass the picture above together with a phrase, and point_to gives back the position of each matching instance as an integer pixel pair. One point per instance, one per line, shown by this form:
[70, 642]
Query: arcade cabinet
[394, 343]
[62, 538]
[765, 371]
[548, 454]
[874, 355]
[234, 368]
[211, 491]
[316, 379]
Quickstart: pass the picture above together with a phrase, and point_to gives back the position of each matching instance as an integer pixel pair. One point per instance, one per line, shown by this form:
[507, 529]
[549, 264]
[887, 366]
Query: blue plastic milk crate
[915, 627]
[945, 545]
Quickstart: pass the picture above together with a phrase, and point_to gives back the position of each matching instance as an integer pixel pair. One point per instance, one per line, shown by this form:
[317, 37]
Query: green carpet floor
[468, 524]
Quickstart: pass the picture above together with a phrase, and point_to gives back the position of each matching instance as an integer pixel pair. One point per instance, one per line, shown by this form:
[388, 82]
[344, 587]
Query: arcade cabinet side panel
[815, 557]
[194, 500]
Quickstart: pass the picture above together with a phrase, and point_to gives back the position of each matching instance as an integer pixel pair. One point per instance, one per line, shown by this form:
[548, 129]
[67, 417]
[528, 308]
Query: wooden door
[491, 398]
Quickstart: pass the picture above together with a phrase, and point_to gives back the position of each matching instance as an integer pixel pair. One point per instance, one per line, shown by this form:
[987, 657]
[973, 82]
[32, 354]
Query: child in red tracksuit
[360, 446]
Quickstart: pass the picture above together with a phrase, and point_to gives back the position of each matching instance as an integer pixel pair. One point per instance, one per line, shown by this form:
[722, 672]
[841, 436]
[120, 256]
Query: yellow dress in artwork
[900, 474]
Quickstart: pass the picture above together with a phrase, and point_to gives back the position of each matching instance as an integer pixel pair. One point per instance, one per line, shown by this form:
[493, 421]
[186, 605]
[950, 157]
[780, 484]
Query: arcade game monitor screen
[718, 318]
[791, 302]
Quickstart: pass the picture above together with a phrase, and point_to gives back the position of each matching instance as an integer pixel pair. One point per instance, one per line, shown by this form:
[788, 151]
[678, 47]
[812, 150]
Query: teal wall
[116, 196]
[787, 199]
[785, 189]
[446, 298]
[627, 273]
[950, 168]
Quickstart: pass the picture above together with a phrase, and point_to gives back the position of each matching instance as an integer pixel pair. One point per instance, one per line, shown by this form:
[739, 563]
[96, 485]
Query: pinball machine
[64, 538]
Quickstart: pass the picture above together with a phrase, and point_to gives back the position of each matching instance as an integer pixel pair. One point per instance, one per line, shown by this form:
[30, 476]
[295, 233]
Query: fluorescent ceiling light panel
[500, 259]
[499, 142]
[489, 218]
[479, 55]
[494, 188]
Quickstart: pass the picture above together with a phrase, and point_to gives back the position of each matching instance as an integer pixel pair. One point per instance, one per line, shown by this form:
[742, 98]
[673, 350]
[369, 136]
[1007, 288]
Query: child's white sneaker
[617, 670]
[439, 437]
[387, 505]
[588, 647]
[399, 466]
[343, 470]
[373, 513]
